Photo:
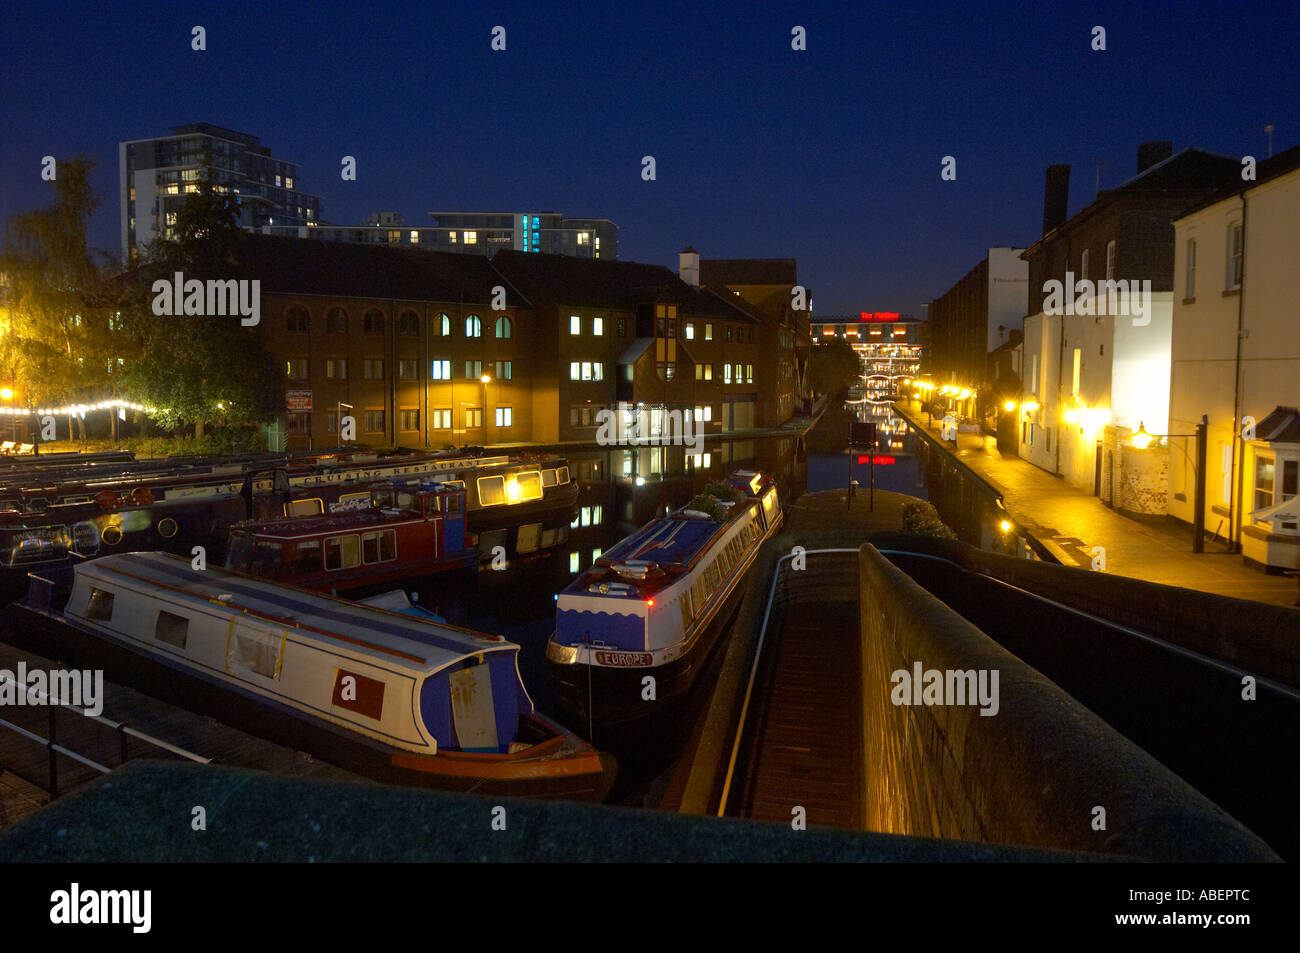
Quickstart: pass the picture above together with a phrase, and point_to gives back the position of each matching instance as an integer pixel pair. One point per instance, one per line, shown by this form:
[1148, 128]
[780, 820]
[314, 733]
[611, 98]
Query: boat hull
[560, 765]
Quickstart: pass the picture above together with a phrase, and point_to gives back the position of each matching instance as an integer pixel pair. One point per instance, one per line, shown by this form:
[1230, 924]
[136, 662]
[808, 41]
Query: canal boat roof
[674, 541]
[300, 527]
[418, 640]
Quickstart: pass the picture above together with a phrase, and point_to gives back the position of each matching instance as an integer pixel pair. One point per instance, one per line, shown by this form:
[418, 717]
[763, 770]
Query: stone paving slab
[1066, 518]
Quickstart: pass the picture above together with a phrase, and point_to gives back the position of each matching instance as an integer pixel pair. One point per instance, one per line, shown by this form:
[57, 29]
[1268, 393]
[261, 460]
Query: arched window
[473, 327]
[505, 327]
[336, 321]
[374, 321]
[297, 319]
[408, 322]
[444, 326]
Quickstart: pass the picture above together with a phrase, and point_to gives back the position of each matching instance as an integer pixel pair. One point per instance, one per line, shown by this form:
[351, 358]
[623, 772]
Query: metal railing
[54, 749]
[753, 671]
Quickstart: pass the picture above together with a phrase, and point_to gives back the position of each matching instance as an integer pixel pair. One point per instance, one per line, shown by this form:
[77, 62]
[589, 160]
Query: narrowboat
[423, 533]
[655, 604]
[394, 697]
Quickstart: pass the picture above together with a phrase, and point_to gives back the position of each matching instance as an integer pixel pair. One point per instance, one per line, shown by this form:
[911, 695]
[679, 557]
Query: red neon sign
[883, 460]
[878, 316]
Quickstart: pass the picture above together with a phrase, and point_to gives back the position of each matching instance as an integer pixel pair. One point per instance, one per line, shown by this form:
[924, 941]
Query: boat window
[353, 501]
[686, 610]
[548, 478]
[172, 629]
[306, 556]
[453, 505]
[342, 552]
[530, 486]
[99, 606]
[562, 475]
[491, 490]
[241, 551]
[308, 507]
[380, 497]
[268, 557]
[251, 651]
[406, 500]
[379, 546]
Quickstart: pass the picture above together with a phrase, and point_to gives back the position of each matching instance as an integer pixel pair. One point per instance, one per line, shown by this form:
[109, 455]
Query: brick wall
[1029, 775]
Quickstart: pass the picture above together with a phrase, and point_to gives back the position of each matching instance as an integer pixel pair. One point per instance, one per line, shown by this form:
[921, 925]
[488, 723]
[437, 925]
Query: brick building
[405, 337]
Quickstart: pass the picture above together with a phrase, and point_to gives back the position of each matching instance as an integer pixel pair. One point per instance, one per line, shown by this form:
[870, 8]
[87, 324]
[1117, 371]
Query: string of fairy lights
[76, 410]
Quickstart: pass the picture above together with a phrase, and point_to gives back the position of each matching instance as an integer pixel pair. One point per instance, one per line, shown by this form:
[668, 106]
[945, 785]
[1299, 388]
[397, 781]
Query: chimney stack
[1056, 196]
[688, 266]
[1149, 153]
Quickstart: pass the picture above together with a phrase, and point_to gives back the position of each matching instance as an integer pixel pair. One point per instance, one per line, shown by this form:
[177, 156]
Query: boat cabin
[423, 533]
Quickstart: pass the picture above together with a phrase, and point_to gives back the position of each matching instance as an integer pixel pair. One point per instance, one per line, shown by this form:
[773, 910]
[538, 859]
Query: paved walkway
[1071, 521]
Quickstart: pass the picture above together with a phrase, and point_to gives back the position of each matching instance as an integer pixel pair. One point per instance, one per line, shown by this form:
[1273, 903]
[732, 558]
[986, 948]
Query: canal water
[621, 489]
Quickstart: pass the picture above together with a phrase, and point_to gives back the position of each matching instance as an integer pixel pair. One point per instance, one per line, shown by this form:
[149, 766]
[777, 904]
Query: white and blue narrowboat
[656, 604]
[392, 696]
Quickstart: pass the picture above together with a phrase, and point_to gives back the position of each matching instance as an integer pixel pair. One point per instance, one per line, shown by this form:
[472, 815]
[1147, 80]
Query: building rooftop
[359, 270]
[747, 271]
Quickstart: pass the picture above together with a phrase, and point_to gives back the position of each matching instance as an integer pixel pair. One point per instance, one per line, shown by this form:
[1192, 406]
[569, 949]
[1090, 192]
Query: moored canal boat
[395, 697]
[421, 535]
[655, 605]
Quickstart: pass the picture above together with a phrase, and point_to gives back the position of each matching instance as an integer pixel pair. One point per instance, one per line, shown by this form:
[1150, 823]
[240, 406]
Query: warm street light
[1142, 439]
[6, 393]
[1009, 406]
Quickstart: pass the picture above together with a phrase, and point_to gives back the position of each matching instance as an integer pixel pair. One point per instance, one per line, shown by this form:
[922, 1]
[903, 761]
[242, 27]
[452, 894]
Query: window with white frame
[504, 416]
[1232, 279]
[575, 324]
[440, 370]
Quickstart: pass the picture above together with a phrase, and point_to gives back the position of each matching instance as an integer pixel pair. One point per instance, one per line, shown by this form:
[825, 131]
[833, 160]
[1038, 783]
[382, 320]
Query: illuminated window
[443, 325]
[288, 182]
[708, 332]
[440, 371]
[573, 562]
[598, 327]
[471, 238]
[474, 417]
[441, 418]
[575, 324]
[415, 237]
[584, 238]
[504, 327]
[689, 331]
[473, 326]
[726, 371]
[575, 371]
[504, 416]
[336, 369]
[451, 237]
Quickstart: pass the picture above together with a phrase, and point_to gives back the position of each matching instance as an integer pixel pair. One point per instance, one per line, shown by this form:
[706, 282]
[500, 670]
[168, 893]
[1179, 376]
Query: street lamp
[1141, 440]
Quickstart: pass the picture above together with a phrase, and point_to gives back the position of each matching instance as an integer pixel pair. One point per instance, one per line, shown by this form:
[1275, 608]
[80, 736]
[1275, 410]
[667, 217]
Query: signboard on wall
[297, 400]
[878, 316]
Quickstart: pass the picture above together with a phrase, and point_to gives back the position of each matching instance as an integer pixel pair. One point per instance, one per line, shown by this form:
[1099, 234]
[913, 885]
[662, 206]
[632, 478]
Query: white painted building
[1236, 359]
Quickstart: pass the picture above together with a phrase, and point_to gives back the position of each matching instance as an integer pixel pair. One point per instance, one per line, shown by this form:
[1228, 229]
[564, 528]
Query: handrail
[753, 671]
[54, 703]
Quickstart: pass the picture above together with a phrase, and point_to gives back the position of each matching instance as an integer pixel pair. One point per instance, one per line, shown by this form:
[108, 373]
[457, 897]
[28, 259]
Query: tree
[56, 332]
[201, 369]
[833, 367]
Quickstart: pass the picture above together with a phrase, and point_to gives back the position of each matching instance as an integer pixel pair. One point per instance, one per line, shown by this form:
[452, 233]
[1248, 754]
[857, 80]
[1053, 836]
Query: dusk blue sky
[830, 156]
